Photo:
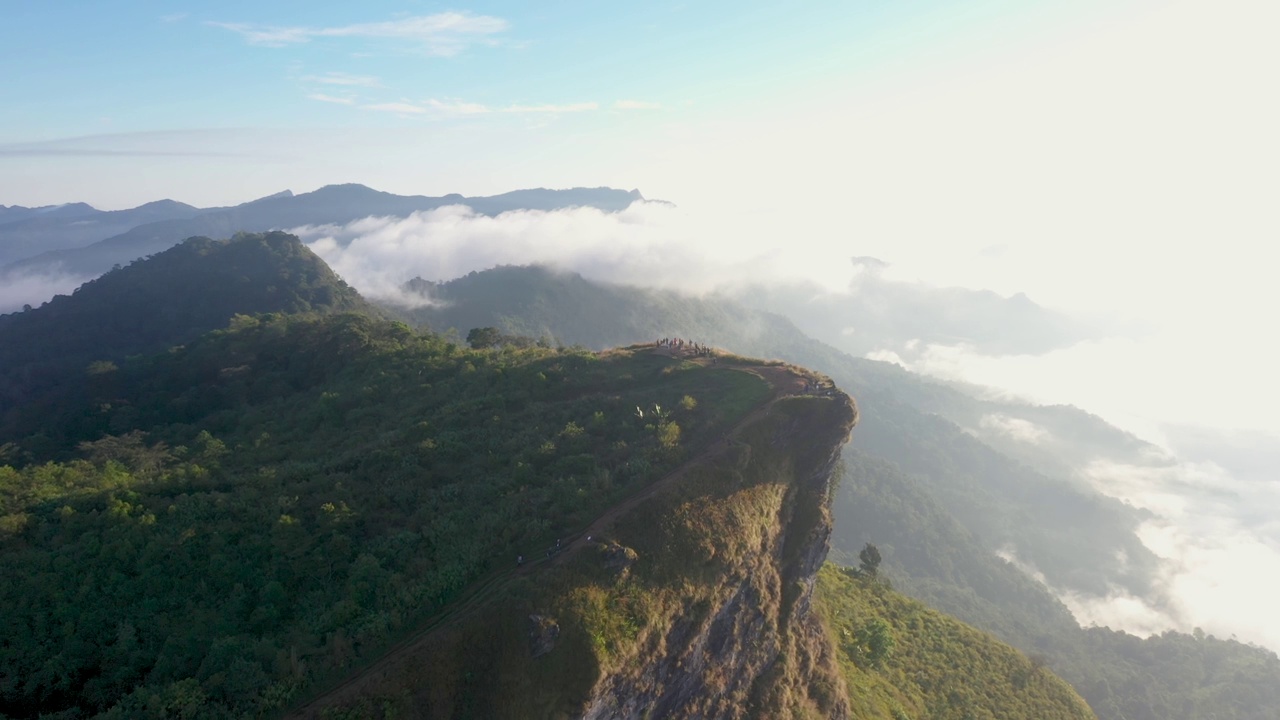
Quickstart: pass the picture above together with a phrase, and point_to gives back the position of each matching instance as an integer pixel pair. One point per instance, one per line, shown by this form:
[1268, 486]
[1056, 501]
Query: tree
[876, 640]
[485, 337]
[869, 560]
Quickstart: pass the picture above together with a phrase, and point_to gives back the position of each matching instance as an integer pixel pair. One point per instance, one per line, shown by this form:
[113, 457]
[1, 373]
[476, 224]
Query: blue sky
[90, 68]
[263, 89]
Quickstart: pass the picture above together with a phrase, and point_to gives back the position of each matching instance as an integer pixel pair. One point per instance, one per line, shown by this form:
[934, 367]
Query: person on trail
[519, 560]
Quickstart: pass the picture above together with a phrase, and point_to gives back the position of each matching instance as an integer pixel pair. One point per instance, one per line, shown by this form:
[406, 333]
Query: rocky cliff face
[758, 650]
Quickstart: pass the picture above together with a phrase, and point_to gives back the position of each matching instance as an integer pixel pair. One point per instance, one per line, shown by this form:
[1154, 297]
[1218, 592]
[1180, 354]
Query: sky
[1114, 161]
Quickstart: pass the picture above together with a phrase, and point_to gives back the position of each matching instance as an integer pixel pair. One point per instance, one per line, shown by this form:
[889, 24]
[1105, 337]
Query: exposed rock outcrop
[756, 648]
[543, 632]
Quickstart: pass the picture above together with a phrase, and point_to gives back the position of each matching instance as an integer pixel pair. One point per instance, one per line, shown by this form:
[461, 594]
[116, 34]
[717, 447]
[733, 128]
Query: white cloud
[443, 34]
[650, 243]
[1221, 542]
[1220, 547]
[636, 105]
[452, 107]
[344, 79]
[332, 99]
[457, 107]
[1016, 428]
[18, 290]
[1207, 371]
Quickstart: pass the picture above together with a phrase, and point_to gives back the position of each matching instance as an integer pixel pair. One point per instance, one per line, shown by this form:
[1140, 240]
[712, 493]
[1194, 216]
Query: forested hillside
[71, 345]
[957, 491]
[274, 502]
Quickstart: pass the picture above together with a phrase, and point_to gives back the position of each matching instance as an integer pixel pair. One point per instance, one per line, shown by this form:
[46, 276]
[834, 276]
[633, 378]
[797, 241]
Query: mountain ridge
[330, 204]
[934, 432]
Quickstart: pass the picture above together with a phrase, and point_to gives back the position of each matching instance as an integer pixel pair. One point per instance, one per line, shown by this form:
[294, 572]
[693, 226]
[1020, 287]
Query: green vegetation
[902, 660]
[217, 524]
[275, 502]
[937, 501]
[688, 605]
[60, 351]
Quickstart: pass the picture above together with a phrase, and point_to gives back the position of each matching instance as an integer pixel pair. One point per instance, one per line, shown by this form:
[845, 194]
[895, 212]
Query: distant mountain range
[29, 231]
[81, 241]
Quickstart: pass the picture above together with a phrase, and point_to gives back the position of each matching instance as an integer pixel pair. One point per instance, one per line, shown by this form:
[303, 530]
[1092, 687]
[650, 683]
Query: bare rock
[543, 632]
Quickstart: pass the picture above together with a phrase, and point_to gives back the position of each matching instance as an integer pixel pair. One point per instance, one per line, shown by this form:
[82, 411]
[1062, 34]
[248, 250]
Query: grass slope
[903, 660]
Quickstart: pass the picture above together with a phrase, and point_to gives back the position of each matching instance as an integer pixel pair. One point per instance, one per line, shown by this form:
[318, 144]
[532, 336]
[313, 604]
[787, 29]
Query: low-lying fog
[1194, 383]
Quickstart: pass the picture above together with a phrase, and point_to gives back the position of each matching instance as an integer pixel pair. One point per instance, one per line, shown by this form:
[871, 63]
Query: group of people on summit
[684, 346]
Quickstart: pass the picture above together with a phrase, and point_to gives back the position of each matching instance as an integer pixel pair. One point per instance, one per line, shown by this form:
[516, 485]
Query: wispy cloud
[443, 34]
[174, 17]
[636, 105]
[332, 99]
[58, 149]
[569, 108]
[196, 142]
[401, 108]
[344, 79]
[450, 107]
[18, 289]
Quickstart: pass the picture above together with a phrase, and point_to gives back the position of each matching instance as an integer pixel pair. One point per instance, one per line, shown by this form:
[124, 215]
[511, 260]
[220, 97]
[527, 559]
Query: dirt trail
[784, 382]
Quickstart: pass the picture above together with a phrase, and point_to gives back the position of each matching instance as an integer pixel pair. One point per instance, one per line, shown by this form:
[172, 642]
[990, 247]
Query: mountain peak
[273, 196]
[165, 204]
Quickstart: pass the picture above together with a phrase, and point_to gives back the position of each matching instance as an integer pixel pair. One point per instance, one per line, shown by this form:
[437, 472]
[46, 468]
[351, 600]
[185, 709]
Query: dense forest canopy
[150, 306]
[273, 502]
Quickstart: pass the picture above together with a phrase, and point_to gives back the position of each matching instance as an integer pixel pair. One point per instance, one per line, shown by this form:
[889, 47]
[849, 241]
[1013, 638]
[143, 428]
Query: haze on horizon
[1113, 161]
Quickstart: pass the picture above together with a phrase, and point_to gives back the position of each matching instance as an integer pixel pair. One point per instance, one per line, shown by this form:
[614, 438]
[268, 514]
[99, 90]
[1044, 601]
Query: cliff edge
[694, 599]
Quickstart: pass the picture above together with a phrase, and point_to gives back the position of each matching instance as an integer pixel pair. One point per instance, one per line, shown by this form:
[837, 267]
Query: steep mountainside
[902, 660]
[697, 600]
[957, 492]
[1007, 503]
[333, 204]
[692, 601]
